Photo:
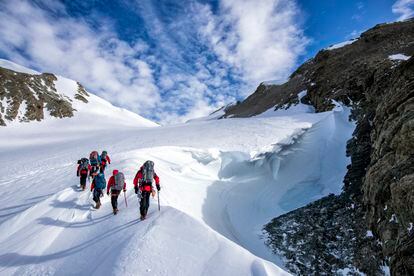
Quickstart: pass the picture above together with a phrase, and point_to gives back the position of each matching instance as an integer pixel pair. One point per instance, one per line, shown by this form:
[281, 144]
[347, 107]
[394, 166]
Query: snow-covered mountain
[27, 95]
[222, 181]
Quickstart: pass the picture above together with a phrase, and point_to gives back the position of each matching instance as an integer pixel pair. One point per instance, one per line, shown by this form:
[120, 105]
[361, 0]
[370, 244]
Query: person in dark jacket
[104, 159]
[116, 184]
[83, 172]
[143, 186]
[97, 186]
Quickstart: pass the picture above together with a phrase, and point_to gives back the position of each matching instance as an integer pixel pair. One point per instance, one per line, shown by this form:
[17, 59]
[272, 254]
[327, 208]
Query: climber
[104, 160]
[83, 171]
[97, 186]
[116, 184]
[95, 161]
[143, 186]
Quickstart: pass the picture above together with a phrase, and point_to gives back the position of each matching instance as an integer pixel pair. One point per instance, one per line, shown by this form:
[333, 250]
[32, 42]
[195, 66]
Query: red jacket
[111, 181]
[147, 188]
[83, 171]
[107, 159]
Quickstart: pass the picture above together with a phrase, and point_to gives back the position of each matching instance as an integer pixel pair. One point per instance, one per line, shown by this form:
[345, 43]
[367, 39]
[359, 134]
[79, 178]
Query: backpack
[93, 157]
[103, 155]
[83, 165]
[119, 180]
[100, 182]
[148, 172]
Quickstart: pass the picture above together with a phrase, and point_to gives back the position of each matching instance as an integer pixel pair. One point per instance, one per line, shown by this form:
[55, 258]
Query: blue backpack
[100, 182]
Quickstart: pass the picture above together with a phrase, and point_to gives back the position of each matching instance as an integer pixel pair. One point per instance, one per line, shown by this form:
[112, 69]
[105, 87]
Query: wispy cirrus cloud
[405, 8]
[193, 58]
[261, 39]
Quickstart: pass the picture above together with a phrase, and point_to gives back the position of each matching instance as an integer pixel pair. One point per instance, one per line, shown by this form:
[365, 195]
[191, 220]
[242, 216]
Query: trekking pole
[159, 209]
[126, 203]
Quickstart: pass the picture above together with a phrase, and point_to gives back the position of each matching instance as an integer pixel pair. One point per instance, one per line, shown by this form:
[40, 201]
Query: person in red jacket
[83, 172]
[143, 186]
[104, 160]
[116, 184]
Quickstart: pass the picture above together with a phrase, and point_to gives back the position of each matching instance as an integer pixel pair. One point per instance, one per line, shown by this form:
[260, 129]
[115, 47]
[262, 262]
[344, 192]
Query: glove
[136, 190]
[107, 193]
[77, 174]
[158, 188]
[124, 190]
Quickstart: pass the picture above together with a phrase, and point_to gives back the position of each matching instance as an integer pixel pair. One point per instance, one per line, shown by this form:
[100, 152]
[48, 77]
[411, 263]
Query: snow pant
[144, 203]
[97, 195]
[114, 198]
[83, 178]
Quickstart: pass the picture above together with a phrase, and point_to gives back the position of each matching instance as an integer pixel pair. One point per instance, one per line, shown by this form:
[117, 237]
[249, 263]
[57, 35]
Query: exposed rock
[26, 97]
[82, 94]
[326, 237]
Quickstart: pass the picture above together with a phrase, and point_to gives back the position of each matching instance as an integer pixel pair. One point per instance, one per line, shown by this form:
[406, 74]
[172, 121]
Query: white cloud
[405, 8]
[105, 64]
[262, 39]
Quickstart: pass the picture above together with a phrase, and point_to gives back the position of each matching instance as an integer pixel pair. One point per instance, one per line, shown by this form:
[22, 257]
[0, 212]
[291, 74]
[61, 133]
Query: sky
[171, 61]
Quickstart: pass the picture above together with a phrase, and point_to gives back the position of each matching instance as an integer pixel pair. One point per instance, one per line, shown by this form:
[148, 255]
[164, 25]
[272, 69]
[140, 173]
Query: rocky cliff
[26, 97]
[375, 76]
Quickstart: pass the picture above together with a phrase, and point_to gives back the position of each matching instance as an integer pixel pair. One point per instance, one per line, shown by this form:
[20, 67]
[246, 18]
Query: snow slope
[341, 44]
[221, 182]
[16, 67]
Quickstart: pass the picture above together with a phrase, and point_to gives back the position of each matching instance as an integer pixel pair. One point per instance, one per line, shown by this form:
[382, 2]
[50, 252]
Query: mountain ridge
[27, 95]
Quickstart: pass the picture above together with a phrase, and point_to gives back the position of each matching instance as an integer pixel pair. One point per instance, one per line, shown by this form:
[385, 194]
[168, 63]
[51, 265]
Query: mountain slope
[373, 75]
[26, 95]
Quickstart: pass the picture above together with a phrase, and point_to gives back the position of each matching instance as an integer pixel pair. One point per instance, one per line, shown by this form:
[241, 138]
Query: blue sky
[171, 61]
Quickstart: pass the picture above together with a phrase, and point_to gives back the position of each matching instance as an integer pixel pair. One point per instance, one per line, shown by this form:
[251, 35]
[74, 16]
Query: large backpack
[93, 157]
[100, 181]
[148, 172]
[84, 162]
[119, 179]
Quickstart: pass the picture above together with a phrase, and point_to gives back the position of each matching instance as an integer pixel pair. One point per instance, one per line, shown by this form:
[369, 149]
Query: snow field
[222, 180]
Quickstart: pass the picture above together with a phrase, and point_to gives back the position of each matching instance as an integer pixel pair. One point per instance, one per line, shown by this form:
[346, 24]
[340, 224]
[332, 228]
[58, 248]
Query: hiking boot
[115, 211]
[98, 204]
[142, 217]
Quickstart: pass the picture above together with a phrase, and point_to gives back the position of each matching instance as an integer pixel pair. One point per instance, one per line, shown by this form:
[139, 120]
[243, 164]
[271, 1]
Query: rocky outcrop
[388, 189]
[326, 237]
[379, 181]
[25, 97]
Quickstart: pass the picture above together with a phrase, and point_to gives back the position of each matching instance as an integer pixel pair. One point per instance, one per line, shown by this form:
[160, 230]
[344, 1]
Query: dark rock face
[389, 182]
[25, 97]
[380, 178]
[326, 237]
